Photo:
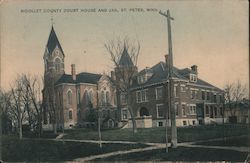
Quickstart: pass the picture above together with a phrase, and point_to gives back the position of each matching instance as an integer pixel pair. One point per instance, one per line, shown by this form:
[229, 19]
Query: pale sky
[211, 34]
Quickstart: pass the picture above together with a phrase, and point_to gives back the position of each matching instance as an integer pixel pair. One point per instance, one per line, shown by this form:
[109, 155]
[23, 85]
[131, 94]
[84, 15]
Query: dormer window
[193, 78]
[144, 75]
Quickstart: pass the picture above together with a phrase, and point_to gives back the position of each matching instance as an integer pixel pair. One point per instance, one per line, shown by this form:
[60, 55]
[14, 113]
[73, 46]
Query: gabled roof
[83, 77]
[125, 59]
[53, 42]
[160, 75]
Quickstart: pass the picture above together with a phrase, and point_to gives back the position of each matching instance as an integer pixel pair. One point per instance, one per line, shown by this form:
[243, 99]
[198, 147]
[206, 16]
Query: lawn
[157, 135]
[27, 150]
[238, 142]
[181, 154]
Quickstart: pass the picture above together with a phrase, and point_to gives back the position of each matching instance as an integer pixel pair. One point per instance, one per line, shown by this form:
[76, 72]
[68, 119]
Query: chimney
[73, 71]
[113, 75]
[194, 68]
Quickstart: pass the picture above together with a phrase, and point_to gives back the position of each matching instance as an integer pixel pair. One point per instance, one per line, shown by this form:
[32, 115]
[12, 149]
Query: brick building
[69, 98]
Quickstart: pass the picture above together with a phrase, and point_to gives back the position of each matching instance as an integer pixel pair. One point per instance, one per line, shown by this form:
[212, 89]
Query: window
[184, 123]
[159, 93]
[203, 95]
[123, 98]
[69, 97]
[107, 97]
[192, 109]
[176, 109]
[103, 101]
[90, 96]
[78, 96]
[193, 122]
[124, 114]
[58, 64]
[175, 91]
[208, 95]
[138, 96]
[160, 124]
[183, 108]
[197, 94]
[70, 115]
[207, 110]
[192, 94]
[160, 110]
[141, 96]
[215, 98]
[193, 77]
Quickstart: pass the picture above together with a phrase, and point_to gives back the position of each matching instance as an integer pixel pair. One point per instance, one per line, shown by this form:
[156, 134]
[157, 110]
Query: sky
[210, 34]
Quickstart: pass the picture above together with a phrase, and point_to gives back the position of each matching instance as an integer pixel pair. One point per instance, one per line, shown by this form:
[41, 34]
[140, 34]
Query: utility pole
[171, 82]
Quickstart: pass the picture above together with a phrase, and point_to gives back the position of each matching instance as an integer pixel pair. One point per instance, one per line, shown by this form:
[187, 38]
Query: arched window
[144, 112]
[107, 97]
[90, 96]
[58, 64]
[102, 97]
[69, 97]
[86, 98]
[70, 114]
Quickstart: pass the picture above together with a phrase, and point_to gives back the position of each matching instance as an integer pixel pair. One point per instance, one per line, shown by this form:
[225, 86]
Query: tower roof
[125, 59]
[53, 41]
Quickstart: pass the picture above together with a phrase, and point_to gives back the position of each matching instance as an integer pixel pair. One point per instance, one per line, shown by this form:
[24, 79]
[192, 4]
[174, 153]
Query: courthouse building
[69, 98]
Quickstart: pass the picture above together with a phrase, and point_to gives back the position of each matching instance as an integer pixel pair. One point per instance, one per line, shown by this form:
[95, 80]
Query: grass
[181, 154]
[238, 142]
[28, 150]
[157, 135]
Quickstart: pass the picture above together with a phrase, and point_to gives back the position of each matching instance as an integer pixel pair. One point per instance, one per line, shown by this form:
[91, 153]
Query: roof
[83, 77]
[125, 59]
[53, 42]
[160, 74]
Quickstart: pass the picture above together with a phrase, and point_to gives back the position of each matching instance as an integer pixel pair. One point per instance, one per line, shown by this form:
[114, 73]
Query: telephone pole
[171, 82]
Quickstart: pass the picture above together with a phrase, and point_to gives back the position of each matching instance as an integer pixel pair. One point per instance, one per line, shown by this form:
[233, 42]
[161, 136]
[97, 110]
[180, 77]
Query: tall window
[208, 95]
[183, 108]
[160, 110]
[103, 101]
[124, 114]
[192, 109]
[203, 95]
[123, 98]
[58, 64]
[176, 109]
[107, 97]
[69, 97]
[175, 91]
[158, 93]
[90, 96]
[215, 98]
[70, 114]
[141, 96]
[78, 96]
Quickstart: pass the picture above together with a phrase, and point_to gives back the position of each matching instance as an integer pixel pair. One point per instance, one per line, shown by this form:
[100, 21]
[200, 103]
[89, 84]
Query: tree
[124, 72]
[33, 95]
[17, 104]
[234, 94]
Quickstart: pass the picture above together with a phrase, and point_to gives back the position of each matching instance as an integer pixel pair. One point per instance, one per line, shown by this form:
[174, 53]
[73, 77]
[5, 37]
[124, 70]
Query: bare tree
[33, 95]
[124, 73]
[17, 108]
[234, 94]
